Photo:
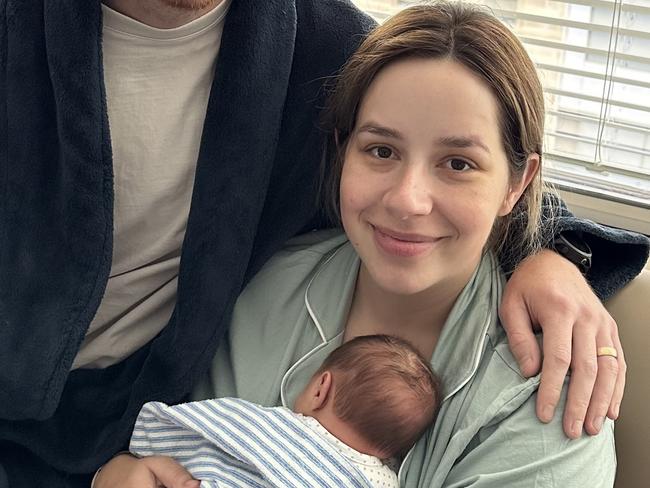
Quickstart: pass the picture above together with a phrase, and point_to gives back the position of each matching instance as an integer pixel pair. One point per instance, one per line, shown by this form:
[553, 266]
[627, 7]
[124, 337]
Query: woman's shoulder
[277, 290]
[299, 257]
[513, 448]
[270, 327]
[498, 383]
[501, 352]
[318, 242]
[487, 434]
[499, 433]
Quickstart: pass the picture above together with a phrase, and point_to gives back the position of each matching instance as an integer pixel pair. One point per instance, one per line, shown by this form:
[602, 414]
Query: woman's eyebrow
[450, 141]
[380, 130]
[463, 142]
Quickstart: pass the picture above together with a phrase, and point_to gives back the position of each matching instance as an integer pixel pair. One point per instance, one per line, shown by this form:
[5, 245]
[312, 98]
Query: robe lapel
[57, 196]
[238, 147]
[240, 134]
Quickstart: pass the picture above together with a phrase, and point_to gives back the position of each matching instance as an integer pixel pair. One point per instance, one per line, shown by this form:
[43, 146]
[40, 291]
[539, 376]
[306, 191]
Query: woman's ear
[516, 189]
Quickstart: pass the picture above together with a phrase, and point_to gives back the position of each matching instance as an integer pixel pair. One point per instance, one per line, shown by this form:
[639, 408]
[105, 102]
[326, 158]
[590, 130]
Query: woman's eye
[382, 152]
[459, 164]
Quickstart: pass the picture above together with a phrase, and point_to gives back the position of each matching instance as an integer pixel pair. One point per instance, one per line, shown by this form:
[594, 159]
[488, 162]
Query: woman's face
[425, 176]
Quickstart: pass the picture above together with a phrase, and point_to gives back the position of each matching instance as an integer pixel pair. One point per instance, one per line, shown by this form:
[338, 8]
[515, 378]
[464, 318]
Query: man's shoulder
[332, 24]
[333, 14]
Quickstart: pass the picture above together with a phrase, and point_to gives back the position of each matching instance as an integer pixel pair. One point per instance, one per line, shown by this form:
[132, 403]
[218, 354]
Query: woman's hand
[546, 291]
[126, 471]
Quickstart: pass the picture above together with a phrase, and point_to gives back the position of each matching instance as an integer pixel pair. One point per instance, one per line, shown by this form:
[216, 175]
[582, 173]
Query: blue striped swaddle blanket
[230, 442]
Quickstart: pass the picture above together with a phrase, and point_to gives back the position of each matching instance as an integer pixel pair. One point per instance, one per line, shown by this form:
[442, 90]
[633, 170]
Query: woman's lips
[402, 244]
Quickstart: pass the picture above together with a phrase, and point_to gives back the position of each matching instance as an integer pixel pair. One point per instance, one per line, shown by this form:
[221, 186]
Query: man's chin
[190, 4]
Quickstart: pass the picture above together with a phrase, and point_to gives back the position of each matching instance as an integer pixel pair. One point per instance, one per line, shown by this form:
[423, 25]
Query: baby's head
[374, 393]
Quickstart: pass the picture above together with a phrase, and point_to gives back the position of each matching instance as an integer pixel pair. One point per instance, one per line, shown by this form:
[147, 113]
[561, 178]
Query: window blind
[593, 58]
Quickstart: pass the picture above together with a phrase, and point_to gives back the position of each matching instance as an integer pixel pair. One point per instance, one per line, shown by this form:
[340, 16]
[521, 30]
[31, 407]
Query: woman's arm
[617, 255]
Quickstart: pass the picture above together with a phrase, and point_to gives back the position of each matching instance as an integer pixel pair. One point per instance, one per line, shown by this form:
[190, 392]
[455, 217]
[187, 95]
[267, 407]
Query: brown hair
[384, 390]
[476, 39]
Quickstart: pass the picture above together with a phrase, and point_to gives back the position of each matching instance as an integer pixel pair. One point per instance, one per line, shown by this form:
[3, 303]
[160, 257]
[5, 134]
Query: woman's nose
[410, 194]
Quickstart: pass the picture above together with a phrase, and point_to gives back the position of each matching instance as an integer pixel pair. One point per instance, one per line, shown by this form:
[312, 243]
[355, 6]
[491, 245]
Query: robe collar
[472, 320]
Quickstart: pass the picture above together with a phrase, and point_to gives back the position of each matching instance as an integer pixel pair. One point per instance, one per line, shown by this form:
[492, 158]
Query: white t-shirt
[157, 88]
[377, 472]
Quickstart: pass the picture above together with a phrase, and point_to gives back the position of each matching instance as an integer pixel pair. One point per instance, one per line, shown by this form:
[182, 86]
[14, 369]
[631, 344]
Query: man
[125, 237]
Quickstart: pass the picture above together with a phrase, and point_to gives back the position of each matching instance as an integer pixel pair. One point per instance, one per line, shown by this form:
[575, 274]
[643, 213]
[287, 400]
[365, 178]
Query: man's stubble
[190, 4]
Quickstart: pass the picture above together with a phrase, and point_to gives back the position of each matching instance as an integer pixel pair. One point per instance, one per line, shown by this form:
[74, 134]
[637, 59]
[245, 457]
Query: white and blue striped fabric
[229, 442]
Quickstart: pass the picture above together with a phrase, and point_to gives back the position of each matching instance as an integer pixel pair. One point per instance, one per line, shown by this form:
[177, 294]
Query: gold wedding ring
[606, 351]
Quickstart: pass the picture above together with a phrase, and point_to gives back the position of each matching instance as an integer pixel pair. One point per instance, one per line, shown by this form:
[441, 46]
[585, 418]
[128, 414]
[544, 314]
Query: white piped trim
[477, 360]
[312, 315]
[295, 365]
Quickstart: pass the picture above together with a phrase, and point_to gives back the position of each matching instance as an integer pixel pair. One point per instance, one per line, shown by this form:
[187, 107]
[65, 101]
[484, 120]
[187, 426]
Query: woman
[437, 132]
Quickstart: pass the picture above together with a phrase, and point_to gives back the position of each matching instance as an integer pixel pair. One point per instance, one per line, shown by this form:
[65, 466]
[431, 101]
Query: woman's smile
[402, 244]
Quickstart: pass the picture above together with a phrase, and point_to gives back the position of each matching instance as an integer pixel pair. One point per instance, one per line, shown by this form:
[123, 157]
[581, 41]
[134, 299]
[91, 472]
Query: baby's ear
[321, 389]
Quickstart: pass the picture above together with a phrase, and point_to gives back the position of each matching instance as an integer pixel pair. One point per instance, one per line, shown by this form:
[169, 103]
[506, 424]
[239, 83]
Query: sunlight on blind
[593, 58]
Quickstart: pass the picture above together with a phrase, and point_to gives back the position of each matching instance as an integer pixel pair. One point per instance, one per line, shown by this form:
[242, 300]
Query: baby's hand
[125, 471]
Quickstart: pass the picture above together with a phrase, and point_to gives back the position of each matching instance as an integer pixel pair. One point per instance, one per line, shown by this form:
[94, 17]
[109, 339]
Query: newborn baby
[369, 402]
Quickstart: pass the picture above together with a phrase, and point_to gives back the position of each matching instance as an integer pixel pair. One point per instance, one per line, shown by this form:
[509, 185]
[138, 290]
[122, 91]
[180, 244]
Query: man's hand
[546, 291]
[125, 471]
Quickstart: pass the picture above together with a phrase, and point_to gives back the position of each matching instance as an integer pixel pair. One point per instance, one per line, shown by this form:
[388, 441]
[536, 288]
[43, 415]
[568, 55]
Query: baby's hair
[385, 390]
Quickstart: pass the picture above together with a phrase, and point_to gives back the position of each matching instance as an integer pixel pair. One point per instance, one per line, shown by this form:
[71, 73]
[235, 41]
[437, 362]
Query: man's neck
[163, 14]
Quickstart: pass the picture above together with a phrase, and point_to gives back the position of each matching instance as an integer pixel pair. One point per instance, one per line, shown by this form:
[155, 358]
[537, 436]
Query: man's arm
[548, 292]
[617, 255]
